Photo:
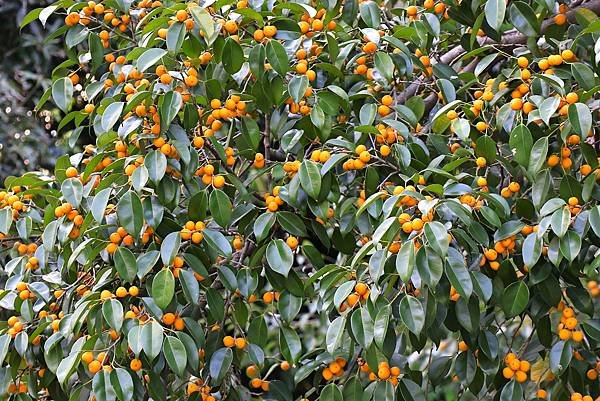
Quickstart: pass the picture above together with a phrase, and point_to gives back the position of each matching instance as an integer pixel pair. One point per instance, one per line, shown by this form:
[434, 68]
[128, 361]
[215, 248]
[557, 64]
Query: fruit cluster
[515, 368]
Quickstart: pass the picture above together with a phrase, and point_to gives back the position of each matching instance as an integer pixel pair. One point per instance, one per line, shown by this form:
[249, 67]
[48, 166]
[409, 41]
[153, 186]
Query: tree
[296, 200]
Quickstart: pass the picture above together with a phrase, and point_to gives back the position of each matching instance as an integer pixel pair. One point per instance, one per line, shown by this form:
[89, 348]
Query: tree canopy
[335, 200]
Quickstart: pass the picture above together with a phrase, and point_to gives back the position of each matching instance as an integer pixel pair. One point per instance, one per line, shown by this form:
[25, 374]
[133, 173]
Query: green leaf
[335, 334]
[62, 93]
[458, 274]
[103, 389]
[580, 118]
[515, 298]
[384, 64]
[262, 225]
[297, 87]
[583, 74]
[125, 264]
[508, 229]
[218, 242]
[72, 190]
[168, 109]
[280, 257]
[204, 20]
[362, 327]
[353, 389]
[384, 390]
[122, 382]
[131, 213]
[594, 219]
[405, 261]
[175, 36]
[145, 262]
[5, 340]
[410, 390]
[151, 338]
[342, 292]
[291, 223]
[548, 108]
[532, 249]
[486, 147]
[30, 17]
[67, 366]
[99, 204]
[520, 142]
[220, 207]
[331, 392]
[310, 178]
[163, 288]
[175, 354]
[591, 328]
[494, 13]
[149, 58]
[524, 19]
[560, 220]
[134, 339]
[513, 391]
[220, 362]
[189, 285]
[412, 314]
[570, 245]
[560, 357]
[6, 219]
[278, 57]
[111, 115]
[170, 247]
[156, 163]
[381, 324]
[289, 344]
[96, 49]
[437, 237]
[233, 56]
[370, 14]
[289, 306]
[112, 310]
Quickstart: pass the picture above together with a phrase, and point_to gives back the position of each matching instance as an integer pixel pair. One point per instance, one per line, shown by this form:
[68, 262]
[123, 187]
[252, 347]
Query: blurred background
[28, 138]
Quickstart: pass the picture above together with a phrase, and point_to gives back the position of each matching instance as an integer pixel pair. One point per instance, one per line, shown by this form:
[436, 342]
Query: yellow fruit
[94, 367]
[228, 341]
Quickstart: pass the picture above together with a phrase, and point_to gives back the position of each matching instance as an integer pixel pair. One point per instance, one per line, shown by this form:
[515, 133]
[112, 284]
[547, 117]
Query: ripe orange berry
[572, 97]
[508, 373]
[135, 365]
[231, 27]
[327, 374]
[87, 357]
[181, 15]
[523, 62]
[134, 291]
[228, 341]
[560, 19]
[169, 318]
[71, 172]
[240, 343]
[94, 367]
[516, 104]
[292, 242]
[251, 371]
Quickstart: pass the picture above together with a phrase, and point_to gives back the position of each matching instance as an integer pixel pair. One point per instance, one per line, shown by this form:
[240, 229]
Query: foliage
[292, 200]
